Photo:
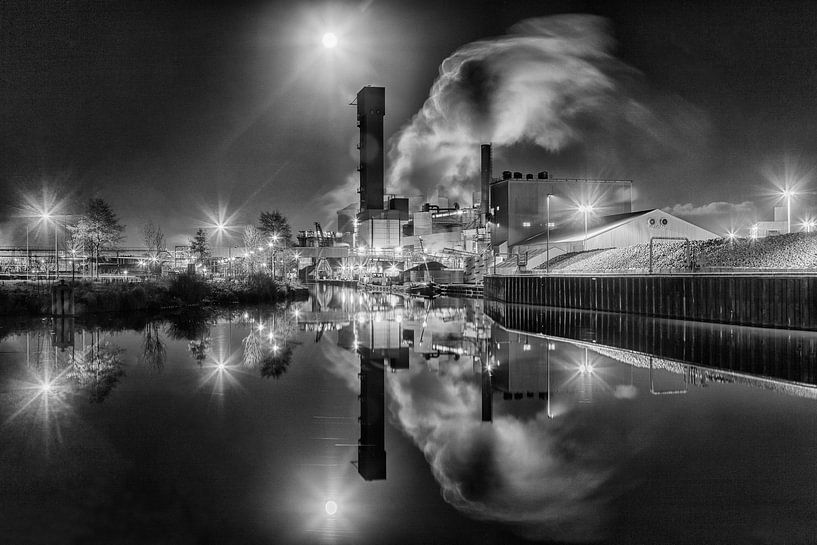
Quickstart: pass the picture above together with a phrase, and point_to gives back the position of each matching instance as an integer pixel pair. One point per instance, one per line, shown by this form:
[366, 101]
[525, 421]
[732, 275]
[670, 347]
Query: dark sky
[172, 111]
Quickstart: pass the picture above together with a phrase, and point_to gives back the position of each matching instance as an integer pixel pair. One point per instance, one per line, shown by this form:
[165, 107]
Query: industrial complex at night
[521, 220]
[551, 277]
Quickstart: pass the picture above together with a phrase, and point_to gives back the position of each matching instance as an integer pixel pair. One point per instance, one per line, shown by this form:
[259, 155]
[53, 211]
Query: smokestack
[485, 173]
[371, 107]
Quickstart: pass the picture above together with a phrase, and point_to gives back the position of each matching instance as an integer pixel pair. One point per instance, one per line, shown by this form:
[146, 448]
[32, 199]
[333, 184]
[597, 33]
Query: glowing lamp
[329, 40]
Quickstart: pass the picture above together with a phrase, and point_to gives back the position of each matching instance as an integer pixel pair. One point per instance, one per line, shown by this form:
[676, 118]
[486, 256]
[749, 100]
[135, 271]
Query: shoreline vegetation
[184, 290]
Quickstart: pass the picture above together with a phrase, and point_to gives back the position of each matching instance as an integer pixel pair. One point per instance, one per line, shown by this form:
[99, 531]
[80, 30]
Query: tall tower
[371, 107]
[485, 173]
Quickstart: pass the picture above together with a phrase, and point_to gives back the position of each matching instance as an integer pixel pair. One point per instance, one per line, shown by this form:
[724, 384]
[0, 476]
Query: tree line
[98, 229]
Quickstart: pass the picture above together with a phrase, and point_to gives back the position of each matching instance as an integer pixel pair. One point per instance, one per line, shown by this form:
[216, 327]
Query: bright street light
[585, 209]
[788, 194]
[329, 40]
[46, 217]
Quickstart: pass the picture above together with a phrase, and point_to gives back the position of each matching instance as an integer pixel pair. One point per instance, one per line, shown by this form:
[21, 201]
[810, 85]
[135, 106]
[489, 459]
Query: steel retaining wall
[787, 355]
[776, 301]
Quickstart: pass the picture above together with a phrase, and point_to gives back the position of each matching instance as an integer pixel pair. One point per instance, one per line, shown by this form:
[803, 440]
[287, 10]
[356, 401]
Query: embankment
[786, 301]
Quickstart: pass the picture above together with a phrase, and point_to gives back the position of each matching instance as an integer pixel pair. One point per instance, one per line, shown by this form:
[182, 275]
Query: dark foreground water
[358, 419]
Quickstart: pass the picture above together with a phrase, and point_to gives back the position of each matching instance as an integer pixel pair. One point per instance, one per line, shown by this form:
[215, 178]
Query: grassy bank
[183, 290]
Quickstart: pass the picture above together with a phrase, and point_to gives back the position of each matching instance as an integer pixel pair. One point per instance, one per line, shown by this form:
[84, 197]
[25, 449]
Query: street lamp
[547, 228]
[585, 209]
[788, 194]
[46, 217]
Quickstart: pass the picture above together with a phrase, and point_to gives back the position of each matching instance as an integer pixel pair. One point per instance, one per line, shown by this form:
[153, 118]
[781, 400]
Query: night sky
[183, 113]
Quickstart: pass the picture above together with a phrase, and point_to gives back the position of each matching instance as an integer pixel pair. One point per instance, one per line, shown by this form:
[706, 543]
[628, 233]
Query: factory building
[614, 231]
[519, 204]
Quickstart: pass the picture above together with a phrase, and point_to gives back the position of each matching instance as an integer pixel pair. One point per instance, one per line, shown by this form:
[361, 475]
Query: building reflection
[389, 334]
[378, 337]
[371, 450]
[566, 355]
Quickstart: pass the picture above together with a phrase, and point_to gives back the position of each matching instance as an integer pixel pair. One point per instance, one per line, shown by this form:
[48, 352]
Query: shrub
[262, 287]
[188, 288]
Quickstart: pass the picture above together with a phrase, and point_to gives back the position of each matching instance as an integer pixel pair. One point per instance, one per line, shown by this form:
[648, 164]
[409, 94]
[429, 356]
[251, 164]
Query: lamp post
[547, 363]
[28, 255]
[585, 209]
[46, 217]
[788, 194]
[547, 228]
[221, 230]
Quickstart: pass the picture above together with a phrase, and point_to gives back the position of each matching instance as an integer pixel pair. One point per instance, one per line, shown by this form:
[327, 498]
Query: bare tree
[253, 240]
[155, 242]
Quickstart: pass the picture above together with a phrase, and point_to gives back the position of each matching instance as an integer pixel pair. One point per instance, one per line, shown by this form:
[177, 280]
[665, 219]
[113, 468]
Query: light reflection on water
[555, 429]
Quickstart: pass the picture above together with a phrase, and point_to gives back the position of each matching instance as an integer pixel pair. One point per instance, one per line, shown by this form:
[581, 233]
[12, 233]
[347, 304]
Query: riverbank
[771, 300]
[25, 298]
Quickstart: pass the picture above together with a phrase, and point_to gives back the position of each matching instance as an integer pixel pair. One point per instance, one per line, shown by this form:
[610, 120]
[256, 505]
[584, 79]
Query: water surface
[372, 419]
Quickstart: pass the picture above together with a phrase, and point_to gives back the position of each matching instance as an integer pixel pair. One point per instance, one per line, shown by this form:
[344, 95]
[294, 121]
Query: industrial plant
[516, 219]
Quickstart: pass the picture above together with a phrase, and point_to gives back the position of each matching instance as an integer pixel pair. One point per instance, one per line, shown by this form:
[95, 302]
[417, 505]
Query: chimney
[371, 107]
[485, 173]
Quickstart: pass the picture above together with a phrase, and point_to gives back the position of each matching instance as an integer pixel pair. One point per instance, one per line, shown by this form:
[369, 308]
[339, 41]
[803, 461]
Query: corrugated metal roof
[600, 225]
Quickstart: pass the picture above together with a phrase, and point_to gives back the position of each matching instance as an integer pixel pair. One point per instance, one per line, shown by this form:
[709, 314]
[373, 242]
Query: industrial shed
[613, 232]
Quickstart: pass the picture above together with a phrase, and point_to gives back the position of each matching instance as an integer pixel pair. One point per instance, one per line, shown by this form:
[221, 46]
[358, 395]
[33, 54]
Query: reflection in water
[97, 367]
[199, 348]
[269, 344]
[530, 429]
[371, 450]
[59, 367]
[276, 362]
[548, 478]
[700, 352]
[190, 324]
[561, 426]
[253, 351]
[40, 400]
[154, 352]
[193, 325]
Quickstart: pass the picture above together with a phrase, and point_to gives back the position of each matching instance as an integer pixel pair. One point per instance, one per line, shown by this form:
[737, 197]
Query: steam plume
[550, 82]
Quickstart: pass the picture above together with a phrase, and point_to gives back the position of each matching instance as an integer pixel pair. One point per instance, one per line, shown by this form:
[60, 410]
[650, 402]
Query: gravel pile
[793, 251]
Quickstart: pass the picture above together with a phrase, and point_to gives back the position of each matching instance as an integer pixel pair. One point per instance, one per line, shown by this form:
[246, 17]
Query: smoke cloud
[551, 83]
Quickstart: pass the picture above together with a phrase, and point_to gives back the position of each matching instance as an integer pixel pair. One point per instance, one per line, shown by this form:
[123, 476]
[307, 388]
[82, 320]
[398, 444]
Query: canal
[372, 418]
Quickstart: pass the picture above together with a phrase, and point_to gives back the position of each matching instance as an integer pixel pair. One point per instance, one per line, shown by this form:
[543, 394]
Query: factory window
[525, 224]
